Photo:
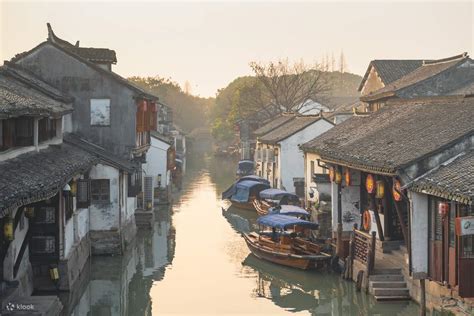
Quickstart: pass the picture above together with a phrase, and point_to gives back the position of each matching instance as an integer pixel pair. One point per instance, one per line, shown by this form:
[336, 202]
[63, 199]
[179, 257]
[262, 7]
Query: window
[100, 191]
[435, 220]
[46, 129]
[312, 167]
[16, 132]
[100, 112]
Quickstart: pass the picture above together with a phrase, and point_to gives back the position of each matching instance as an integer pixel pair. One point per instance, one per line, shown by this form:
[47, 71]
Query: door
[435, 241]
[466, 257]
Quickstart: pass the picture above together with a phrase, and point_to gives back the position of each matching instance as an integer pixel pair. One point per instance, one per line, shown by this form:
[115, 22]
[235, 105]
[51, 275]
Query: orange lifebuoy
[366, 220]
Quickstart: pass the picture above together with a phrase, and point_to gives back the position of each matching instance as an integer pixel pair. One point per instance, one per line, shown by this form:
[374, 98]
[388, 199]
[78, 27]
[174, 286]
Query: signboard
[465, 225]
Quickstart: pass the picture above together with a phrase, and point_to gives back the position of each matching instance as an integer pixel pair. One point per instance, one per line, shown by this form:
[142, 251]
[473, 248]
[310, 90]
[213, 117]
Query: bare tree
[342, 63]
[289, 86]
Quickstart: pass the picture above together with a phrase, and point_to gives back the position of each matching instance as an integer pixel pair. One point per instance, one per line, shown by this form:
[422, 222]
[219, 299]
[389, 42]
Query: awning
[291, 210]
[284, 221]
[276, 194]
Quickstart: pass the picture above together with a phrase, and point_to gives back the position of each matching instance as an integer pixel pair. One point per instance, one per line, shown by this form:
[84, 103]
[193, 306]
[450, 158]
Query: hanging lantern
[443, 208]
[347, 176]
[54, 273]
[370, 183]
[338, 176]
[397, 188]
[8, 228]
[331, 174]
[380, 189]
[73, 185]
[29, 212]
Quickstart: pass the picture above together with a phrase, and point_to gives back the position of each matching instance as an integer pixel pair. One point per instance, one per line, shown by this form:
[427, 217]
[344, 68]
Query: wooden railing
[362, 242]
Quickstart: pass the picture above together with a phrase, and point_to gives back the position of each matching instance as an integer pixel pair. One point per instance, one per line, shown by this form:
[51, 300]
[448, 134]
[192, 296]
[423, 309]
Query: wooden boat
[273, 197]
[245, 168]
[245, 191]
[288, 247]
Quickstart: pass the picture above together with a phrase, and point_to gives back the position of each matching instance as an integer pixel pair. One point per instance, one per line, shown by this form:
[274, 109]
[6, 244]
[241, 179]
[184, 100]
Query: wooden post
[402, 222]
[377, 217]
[372, 249]
[367, 270]
[36, 133]
[339, 244]
[423, 298]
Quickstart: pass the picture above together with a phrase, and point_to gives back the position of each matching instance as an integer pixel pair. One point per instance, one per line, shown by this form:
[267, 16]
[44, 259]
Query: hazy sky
[211, 43]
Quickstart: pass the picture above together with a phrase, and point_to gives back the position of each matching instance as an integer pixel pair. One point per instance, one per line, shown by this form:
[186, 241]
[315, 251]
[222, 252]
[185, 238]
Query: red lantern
[370, 183]
[331, 173]
[443, 209]
[347, 176]
[397, 188]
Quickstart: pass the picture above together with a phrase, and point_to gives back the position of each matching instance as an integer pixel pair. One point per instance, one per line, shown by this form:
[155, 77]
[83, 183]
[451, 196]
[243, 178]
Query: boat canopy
[245, 167]
[284, 221]
[244, 189]
[276, 194]
[291, 210]
[253, 178]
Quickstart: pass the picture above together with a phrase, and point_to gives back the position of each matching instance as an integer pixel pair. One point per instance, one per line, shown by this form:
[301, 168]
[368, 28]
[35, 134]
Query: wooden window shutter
[83, 193]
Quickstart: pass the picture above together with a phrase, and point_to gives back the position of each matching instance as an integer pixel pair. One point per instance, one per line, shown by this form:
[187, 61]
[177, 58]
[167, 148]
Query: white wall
[106, 216]
[324, 188]
[68, 236]
[291, 158]
[419, 231]
[14, 248]
[157, 162]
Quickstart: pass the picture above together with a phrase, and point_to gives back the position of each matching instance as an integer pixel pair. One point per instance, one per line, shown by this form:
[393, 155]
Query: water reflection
[194, 261]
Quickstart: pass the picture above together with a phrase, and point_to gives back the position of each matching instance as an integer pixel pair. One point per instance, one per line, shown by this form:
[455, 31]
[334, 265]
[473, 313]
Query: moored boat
[245, 168]
[273, 197]
[245, 191]
[289, 246]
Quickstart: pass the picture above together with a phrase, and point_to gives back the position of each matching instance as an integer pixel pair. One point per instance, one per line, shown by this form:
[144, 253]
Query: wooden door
[435, 242]
[466, 257]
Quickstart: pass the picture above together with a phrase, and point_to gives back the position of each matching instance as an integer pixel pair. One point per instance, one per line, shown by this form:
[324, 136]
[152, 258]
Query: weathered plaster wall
[322, 188]
[106, 216]
[157, 161]
[84, 83]
[419, 232]
[372, 83]
[291, 157]
[25, 273]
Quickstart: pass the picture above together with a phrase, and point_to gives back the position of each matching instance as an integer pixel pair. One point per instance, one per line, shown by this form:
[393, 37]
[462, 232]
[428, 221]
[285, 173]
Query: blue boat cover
[254, 178]
[291, 210]
[284, 221]
[276, 194]
[244, 189]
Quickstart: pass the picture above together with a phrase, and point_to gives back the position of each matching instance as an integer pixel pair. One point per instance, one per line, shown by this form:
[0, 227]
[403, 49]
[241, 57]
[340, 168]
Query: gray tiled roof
[390, 70]
[273, 123]
[100, 152]
[21, 93]
[35, 176]
[427, 70]
[288, 129]
[453, 180]
[90, 53]
[398, 134]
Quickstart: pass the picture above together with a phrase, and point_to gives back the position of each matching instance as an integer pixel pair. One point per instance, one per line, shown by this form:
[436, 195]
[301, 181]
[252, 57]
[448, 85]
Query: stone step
[387, 271]
[386, 277]
[392, 298]
[391, 291]
[390, 284]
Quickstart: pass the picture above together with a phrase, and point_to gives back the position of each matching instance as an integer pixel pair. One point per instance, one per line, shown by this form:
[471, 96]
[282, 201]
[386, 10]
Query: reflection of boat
[245, 190]
[289, 248]
[274, 197]
[292, 289]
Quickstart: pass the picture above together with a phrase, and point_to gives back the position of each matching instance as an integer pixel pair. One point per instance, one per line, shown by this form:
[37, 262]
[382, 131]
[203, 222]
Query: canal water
[195, 262]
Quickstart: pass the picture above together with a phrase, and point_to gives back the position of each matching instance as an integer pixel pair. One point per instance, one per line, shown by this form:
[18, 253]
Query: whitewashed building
[278, 156]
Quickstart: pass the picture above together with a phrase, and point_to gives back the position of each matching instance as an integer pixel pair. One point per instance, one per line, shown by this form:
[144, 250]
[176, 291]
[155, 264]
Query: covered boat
[286, 243]
[254, 178]
[244, 192]
[274, 197]
[245, 168]
[290, 210]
